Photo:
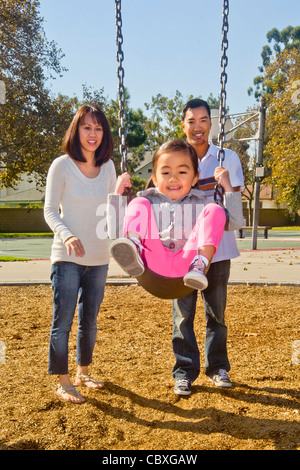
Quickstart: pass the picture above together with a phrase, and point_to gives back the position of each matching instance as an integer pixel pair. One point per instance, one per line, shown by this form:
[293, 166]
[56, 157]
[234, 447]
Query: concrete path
[269, 266]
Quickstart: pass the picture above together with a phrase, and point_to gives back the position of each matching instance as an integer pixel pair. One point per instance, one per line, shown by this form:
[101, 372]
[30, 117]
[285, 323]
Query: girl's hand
[123, 182]
[222, 177]
[75, 245]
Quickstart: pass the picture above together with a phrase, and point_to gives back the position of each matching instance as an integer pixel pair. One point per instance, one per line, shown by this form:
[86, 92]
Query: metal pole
[261, 130]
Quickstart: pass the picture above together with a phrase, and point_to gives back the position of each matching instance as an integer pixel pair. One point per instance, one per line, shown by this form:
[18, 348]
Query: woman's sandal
[83, 379]
[68, 394]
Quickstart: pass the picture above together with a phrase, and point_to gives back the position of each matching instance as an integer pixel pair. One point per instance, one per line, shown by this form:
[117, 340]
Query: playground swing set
[155, 284]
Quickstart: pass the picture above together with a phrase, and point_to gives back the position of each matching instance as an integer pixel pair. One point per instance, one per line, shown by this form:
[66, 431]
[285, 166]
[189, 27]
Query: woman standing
[77, 184]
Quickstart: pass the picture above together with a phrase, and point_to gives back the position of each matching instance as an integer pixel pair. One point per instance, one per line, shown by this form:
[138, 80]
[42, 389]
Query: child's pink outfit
[208, 230]
[171, 231]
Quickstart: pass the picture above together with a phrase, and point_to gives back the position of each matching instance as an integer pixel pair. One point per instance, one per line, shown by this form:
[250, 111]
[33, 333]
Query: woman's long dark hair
[71, 142]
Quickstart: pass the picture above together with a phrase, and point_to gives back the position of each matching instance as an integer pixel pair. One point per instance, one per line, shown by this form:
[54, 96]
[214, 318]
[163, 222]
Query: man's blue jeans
[185, 348]
[70, 280]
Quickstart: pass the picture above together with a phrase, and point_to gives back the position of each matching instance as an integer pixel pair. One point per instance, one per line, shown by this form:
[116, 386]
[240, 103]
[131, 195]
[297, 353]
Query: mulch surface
[137, 409]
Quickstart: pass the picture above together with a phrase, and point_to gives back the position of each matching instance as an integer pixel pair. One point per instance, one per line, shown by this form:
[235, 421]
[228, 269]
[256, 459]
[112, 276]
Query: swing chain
[121, 73]
[219, 191]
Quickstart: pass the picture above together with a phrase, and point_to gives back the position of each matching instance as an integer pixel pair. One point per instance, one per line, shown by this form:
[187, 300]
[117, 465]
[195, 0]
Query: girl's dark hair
[71, 142]
[176, 145]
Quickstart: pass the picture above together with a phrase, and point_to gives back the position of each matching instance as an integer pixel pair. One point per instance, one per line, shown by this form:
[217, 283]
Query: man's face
[196, 126]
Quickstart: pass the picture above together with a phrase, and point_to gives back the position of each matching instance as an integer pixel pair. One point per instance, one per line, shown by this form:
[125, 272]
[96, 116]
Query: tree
[31, 120]
[287, 39]
[135, 122]
[135, 131]
[279, 84]
[165, 121]
[283, 126]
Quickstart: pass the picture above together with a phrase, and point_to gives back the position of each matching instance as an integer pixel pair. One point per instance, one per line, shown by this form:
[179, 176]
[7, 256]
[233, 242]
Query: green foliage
[10, 259]
[278, 83]
[165, 120]
[31, 120]
[138, 184]
[287, 39]
[283, 127]
[135, 131]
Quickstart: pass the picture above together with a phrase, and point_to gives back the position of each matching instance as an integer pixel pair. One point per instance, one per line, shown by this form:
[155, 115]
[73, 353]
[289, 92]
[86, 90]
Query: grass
[50, 234]
[26, 235]
[12, 258]
[287, 228]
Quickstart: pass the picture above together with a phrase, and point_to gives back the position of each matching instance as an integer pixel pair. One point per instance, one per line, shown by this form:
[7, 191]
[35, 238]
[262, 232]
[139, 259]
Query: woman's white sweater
[76, 206]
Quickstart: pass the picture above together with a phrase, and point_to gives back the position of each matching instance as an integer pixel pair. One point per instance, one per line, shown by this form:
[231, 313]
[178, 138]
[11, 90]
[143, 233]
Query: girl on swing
[173, 228]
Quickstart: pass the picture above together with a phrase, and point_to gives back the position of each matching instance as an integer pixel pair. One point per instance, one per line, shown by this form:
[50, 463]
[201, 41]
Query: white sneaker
[196, 278]
[221, 379]
[126, 253]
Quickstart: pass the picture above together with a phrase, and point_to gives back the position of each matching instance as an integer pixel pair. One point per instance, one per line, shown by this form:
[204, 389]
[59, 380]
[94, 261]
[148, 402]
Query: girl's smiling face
[175, 174]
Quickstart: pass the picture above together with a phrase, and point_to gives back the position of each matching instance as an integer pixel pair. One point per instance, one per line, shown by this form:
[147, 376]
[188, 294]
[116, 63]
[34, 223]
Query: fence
[22, 220]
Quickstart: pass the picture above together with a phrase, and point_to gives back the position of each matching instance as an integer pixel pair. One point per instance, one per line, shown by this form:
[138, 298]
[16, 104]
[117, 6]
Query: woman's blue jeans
[72, 282]
[184, 342]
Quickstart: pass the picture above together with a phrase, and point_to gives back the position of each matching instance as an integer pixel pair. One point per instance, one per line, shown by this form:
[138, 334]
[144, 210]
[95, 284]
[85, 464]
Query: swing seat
[159, 285]
[163, 287]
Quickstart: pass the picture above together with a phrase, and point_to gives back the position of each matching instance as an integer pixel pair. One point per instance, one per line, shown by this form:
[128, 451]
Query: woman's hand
[123, 182]
[75, 245]
[222, 177]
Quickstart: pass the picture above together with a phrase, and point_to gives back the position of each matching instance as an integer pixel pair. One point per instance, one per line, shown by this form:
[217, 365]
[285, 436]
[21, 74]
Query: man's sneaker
[220, 378]
[182, 387]
[126, 253]
[196, 278]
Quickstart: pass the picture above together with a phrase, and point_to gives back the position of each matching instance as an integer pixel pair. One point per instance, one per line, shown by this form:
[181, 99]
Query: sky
[168, 45]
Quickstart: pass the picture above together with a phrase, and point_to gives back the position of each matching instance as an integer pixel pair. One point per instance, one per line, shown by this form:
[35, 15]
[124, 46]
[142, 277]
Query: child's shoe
[196, 278]
[126, 252]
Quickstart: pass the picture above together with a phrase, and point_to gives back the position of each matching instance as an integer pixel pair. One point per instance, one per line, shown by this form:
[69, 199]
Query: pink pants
[208, 230]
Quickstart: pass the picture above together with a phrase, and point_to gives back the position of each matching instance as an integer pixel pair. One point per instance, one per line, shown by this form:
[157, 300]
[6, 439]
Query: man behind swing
[196, 123]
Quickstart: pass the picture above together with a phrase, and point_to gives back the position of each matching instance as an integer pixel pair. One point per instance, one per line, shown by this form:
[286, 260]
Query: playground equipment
[161, 286]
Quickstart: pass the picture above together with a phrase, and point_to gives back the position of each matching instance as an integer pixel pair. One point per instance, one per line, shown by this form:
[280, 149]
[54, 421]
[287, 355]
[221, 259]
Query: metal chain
[121, 73]
[219, 192]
